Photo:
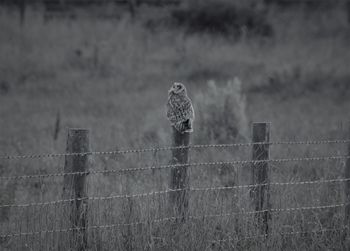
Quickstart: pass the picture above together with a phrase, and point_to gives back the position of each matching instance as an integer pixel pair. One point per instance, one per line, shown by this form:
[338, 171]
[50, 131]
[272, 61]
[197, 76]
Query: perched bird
[179, 108]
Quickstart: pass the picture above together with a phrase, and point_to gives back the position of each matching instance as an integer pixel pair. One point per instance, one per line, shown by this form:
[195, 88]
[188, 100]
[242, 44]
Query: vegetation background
[105, 68]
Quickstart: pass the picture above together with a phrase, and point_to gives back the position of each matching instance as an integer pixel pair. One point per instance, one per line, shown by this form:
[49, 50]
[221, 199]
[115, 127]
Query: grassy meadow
[111, 75]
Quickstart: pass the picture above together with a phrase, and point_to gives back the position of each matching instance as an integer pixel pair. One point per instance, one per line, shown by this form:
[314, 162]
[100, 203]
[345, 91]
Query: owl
[179, 108]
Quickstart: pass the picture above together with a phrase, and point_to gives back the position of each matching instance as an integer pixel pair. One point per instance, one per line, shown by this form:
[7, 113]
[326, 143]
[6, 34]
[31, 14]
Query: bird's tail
[185, 126]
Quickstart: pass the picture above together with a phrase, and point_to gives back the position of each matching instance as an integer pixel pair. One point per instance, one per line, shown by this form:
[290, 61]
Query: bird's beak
[171, 90]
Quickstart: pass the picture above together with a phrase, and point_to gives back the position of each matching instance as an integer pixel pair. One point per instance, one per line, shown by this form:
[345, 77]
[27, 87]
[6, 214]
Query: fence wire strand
[155, 193]
[325, 230]
[169, 148]
[199, 217]
[160, 167]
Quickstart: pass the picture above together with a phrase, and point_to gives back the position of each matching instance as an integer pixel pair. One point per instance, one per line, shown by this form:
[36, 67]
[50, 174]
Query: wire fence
[318, 231]
[156, 193]
[191, 217]
[170, 148]
[173, 166]
[18, 225]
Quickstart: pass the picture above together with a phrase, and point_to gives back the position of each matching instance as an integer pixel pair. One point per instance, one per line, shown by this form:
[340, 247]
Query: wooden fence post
[57, 126]
[260, 175]
[179, 177]
[347, 193]
[74, 186]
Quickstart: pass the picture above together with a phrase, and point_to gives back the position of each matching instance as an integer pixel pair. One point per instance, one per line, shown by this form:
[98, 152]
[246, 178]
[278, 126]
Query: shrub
[221, 113]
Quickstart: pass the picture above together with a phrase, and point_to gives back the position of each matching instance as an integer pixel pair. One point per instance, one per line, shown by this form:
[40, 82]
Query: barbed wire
[198, 217]
[273, 210]
[284, 234]
[173, 166]
[169, 148]
[155, 193]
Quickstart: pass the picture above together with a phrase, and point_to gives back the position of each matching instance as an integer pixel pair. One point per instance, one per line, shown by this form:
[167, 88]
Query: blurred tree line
[54, 5]
[285, 3]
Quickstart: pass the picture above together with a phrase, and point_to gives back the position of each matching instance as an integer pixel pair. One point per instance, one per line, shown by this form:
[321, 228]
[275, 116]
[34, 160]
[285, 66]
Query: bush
[221, 113]
[222, 17]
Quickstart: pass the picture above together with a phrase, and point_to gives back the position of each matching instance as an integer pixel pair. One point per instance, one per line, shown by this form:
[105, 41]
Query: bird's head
[177, 88]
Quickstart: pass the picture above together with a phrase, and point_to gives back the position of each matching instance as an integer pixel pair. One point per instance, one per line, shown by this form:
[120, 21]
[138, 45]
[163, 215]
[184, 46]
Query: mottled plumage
[179, 108]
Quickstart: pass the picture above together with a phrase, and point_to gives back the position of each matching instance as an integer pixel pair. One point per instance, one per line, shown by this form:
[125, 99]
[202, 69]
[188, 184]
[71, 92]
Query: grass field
[112, 76]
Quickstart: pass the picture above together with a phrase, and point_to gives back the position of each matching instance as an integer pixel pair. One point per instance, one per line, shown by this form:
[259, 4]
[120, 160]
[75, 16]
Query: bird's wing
[180, 111]
[171, 113]
[187, 108]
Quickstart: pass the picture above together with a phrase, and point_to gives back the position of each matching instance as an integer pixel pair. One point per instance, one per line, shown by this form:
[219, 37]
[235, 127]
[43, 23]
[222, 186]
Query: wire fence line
[16, 230]
[172, 166]
[191, 217]
[192, 189]
[317, 231]
[169, 148]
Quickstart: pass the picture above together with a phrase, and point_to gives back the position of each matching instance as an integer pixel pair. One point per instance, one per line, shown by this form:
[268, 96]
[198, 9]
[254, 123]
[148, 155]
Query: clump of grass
[221, 112]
